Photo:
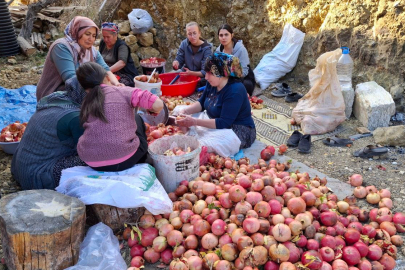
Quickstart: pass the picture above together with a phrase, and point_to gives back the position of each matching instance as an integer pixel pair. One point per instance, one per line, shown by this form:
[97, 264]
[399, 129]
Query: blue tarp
[17, 104]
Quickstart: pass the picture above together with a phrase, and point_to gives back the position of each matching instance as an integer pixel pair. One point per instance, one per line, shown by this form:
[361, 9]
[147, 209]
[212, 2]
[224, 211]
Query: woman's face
[109, 38]
[193, 34]
[212, 79]
[88, 38]
[225, 37]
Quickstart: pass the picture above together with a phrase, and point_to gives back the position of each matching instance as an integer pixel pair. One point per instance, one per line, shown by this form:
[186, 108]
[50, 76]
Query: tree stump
[41, 229]
[115, 217]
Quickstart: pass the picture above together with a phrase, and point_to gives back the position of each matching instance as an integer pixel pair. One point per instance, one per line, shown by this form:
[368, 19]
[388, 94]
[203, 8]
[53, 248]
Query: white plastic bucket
[171, 170]
[154, 88]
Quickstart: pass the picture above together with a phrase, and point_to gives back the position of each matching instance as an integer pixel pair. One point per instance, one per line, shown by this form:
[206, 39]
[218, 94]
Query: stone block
[134, 47]
[124, 27]
[348, 96]
[130, 39]
[392, 136]
[145, 39]
[147, 52]
[373, 105]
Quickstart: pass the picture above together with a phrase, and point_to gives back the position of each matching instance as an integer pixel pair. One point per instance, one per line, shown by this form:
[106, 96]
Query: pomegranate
[356, 180]
[351, 255]
[237, 193]
[178, 265]
[328, 218]
[251, 225]
[151, 256]
[209, 241]
[279, 253]
[387, 262]
[137, 261]
[327, 254]
[281, 232]
[195, 263]
[229, 252]
[374, 252]
[312, 259]
[148, 235]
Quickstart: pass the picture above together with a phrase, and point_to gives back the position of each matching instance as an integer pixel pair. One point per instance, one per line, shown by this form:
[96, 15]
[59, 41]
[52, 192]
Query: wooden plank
[26, 48]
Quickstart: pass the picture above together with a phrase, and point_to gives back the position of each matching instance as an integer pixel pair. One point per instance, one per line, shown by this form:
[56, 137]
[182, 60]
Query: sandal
[370, 151]
[336, 141]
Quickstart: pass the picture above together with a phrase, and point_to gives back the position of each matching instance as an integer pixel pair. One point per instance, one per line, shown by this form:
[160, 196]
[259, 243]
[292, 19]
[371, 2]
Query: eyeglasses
[191, 34]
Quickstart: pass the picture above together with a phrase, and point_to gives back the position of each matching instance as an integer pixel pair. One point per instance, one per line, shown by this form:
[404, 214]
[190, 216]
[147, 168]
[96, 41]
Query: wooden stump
[41, 229]
[115, 217]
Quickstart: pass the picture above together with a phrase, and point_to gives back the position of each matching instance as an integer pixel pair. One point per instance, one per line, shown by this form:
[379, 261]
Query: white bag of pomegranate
[131, 188]
[322, 109]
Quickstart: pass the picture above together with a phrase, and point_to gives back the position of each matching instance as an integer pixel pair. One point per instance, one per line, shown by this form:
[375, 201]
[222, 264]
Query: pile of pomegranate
[237, 215]
[161, 130]
[145, 78]
[172, 102]
[256, 103]
[13, 132]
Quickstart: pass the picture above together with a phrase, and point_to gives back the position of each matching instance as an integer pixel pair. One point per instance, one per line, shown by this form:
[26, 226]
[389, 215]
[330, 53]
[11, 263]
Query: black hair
[90, 75]
[228, 28]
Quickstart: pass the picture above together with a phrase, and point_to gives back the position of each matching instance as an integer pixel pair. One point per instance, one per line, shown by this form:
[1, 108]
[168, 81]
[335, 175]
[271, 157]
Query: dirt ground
[336, 162]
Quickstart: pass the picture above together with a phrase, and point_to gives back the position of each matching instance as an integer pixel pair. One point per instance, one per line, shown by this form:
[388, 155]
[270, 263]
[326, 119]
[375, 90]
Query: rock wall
[373, 29]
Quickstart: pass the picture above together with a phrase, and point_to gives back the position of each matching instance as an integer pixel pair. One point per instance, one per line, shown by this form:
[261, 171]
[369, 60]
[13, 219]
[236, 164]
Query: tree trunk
[26, 48]
[32, 12]
[115, 217]
[41, 229]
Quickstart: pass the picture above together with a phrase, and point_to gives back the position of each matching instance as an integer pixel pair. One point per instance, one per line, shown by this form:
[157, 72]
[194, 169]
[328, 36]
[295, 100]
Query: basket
[9, 147]
[185, 86]
[171, 170]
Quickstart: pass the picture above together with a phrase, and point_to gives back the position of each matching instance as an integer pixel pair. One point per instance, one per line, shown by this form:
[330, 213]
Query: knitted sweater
[60, 65]
[104, 144]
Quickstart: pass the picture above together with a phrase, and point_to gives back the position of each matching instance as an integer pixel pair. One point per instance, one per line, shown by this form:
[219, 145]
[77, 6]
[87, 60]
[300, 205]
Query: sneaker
[293, 97]
[304, 146]
[294, 139]
[282, 90]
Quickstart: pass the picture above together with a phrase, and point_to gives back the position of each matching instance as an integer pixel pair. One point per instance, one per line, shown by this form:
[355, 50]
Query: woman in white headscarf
[67, 53]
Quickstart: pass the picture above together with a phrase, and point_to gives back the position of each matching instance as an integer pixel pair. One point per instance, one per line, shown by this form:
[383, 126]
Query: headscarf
[223, 65]
[109, 26]
[73, 32]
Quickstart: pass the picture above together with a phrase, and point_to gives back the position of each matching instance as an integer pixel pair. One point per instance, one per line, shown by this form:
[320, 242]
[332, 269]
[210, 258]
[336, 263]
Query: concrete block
[348, 96]
[373, 105]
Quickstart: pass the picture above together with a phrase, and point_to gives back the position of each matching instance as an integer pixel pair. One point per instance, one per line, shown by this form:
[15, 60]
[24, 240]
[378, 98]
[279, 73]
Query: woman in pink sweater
[114, 136]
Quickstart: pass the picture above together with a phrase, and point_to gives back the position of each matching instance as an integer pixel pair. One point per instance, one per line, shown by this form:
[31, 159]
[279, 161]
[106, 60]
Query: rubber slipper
[294, 139]
[304, 146]
[336, 141]
[370, 151]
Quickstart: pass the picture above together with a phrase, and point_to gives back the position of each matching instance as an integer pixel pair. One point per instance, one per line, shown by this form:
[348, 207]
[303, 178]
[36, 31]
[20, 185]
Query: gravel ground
[336, 162]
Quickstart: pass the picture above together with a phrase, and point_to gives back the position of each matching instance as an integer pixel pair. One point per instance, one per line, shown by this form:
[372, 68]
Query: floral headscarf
[73, 32]
[223, 65]
[109, 26]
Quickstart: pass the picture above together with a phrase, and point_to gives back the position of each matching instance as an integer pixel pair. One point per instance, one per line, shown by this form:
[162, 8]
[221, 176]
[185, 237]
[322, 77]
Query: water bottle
[344, 69]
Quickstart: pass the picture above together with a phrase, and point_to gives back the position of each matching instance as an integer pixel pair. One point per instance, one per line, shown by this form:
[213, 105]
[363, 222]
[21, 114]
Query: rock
[124, 27]
[397, 92]
[393, 136]
[147, 52]
[373, 105]
[348, 96]
[153, 31]
[136, 59]
[130, 40]
[134, 47]
[145, 39]
[11, 61]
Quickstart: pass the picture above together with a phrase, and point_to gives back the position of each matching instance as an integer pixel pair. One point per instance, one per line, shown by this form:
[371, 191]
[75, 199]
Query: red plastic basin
[184, 86]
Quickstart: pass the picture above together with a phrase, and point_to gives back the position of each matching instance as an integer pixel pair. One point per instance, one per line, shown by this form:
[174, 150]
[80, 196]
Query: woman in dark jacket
[117, 54]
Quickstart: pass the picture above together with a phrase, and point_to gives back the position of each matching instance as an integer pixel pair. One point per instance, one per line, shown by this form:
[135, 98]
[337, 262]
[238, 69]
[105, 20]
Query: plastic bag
[131, 188]
[322, 109]
[281, 59]
[140, 21]
[100, 250]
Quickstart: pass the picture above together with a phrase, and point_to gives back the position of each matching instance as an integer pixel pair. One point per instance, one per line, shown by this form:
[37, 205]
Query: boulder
[373, 105]
[348, 96]
[147, 52]
[393, 136]
[134, 47]
[145, 39]
[124, 27]
[153, 31]
[130, 40]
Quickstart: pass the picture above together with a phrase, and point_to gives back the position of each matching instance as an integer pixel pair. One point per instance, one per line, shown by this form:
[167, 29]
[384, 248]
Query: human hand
[186, 72]
[175, 64]
[119, 84]
[186, 121]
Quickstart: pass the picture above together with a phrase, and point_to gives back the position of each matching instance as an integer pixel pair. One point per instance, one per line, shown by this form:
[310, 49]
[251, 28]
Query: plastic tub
[185, 86]
[9, 147]
[147, 68]
[154, 88]
[171, 170]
